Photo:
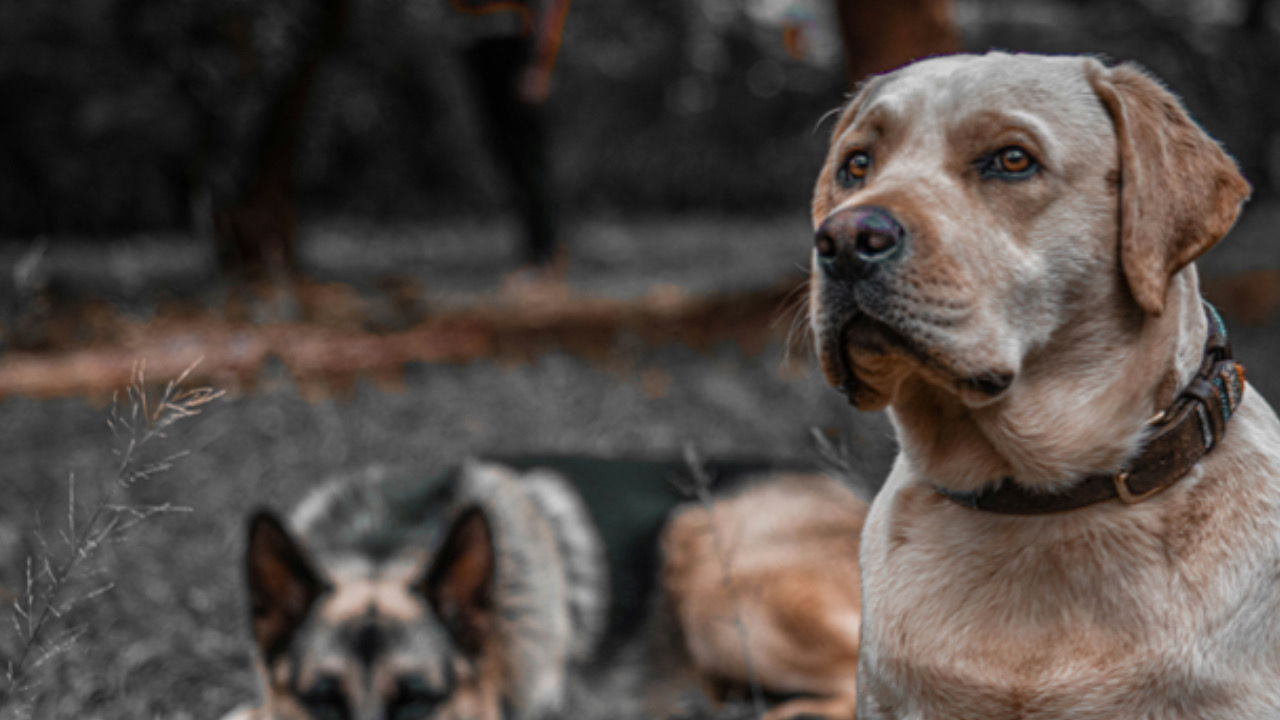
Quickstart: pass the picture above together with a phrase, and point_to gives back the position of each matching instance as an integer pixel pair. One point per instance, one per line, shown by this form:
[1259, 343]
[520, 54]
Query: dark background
[125, 116]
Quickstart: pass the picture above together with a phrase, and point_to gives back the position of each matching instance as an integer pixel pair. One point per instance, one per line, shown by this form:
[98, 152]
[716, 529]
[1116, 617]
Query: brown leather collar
[1183, 433]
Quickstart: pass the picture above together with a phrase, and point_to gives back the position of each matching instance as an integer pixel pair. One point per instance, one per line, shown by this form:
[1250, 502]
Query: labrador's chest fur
[1170, 609]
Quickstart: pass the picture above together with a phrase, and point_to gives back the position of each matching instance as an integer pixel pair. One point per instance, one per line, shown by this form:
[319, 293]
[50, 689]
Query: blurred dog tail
[582, 553]
[552, 574]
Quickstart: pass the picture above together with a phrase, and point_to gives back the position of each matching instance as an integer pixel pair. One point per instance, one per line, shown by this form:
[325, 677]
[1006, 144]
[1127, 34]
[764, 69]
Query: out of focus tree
[880, 36]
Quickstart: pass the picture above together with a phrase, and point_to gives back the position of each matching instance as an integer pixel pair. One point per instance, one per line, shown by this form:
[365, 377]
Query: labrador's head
[970, 206]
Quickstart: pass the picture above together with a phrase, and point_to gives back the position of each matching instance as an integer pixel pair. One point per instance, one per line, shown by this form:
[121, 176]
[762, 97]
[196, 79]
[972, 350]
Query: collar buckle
[1121, 481]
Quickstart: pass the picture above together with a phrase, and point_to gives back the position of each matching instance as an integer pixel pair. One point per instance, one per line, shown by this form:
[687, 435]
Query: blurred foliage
[131, 115]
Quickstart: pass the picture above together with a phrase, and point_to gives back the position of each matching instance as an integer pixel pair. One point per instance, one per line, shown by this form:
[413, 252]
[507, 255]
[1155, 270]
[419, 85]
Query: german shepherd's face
[348, 638]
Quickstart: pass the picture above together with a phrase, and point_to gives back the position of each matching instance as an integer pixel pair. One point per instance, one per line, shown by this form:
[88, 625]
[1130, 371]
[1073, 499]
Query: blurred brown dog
[1072, 529]
[790, 548]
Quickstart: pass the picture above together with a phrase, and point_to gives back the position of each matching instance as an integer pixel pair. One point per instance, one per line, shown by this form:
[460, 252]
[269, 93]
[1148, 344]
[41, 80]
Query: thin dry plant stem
[36, 613]
[699, 487]
[838, 459]
[793, 312]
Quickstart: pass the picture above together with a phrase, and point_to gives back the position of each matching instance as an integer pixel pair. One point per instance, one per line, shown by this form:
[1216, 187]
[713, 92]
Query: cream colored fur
[1167, 609]
[789, 548]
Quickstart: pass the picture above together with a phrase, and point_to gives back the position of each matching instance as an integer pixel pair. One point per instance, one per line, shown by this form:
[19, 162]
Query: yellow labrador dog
[1084, 517]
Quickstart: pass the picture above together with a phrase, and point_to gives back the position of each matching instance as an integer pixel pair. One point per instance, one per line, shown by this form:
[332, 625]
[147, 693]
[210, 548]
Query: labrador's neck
[1080, 406]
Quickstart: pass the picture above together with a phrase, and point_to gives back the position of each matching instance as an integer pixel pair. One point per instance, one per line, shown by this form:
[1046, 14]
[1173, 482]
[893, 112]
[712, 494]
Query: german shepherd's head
[347, 636]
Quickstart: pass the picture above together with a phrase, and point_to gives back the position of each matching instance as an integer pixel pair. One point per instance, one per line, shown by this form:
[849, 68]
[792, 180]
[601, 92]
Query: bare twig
[839, 460]
[794, 313]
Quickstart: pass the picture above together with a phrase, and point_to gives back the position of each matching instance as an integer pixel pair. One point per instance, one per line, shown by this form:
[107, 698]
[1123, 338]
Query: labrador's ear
[1179, 192]
[460, 583]
[282, 584]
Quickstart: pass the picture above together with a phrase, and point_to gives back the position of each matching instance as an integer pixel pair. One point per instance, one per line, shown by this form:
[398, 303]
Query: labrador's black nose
[850, 241]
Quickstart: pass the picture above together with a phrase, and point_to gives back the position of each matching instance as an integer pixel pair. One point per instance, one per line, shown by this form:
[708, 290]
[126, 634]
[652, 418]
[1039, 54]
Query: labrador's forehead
[953, 87]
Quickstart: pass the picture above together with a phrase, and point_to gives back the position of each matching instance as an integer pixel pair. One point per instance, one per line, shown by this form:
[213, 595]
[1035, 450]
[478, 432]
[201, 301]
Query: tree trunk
[880, 35]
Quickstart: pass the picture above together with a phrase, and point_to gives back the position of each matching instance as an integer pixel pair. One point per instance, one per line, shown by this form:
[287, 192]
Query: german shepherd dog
[494, 592]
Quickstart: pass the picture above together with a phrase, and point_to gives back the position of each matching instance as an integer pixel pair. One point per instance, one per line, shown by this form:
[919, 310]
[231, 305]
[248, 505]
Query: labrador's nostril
[870, 243]
[826, 246]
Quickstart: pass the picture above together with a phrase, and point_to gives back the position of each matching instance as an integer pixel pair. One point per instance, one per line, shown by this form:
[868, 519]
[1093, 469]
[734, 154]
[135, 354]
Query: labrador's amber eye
[1014, 159]
[859, 163]
[855, 168]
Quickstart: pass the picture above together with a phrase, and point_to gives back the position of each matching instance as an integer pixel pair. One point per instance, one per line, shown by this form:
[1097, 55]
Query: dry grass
[63, 576]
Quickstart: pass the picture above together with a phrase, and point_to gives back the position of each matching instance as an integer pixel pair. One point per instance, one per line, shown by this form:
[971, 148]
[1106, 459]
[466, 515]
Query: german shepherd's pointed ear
[282, 584]
[1179, 192]
[460, 583]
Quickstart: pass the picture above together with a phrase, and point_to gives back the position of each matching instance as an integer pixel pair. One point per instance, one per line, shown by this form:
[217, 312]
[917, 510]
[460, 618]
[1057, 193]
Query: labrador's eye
[854, 169]
[1014, 159]
[1012, 162]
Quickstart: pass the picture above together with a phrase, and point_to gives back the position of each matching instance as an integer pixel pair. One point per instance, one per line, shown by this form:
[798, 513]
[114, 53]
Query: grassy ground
[170, 639]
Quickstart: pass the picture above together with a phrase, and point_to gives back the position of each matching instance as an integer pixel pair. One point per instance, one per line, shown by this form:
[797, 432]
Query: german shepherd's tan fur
[413, 600]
